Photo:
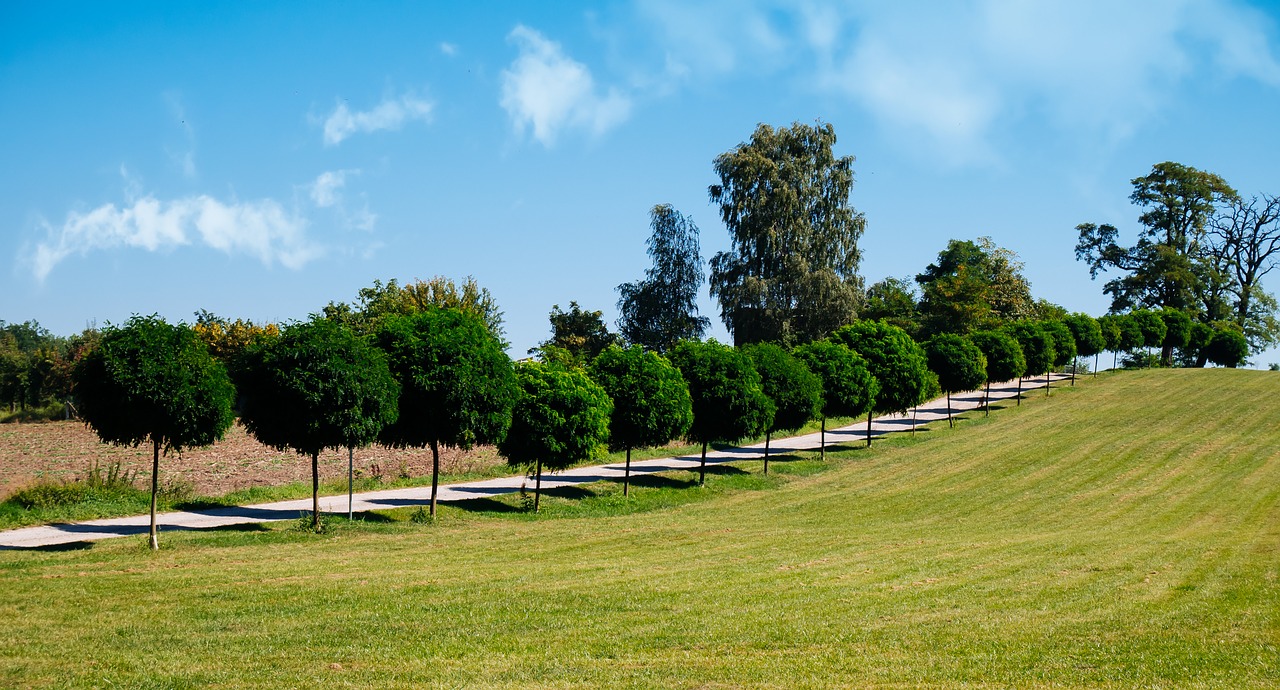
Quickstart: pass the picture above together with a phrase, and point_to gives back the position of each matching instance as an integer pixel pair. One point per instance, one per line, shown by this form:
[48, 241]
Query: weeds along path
[91, 530]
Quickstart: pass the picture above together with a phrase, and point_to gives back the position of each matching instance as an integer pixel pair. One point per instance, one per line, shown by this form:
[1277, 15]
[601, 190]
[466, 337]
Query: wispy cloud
[327, 192]
[390, 114]
[449, 49]
[261, 229]
[548, 91]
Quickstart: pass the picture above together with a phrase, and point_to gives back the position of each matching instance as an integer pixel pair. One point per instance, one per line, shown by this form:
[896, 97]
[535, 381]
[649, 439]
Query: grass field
[1125, 533]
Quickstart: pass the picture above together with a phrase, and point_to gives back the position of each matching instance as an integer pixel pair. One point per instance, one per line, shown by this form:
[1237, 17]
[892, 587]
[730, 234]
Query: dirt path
[51, 535]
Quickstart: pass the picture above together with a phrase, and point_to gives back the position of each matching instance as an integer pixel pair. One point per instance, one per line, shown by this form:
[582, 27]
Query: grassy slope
[1080, 541]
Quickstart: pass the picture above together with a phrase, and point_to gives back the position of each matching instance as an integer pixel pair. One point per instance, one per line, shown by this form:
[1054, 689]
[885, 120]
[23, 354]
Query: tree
[373, 304]
[1005, 360]
[317, 386]
[1161, 270]
[1064, 347]
[973, 285]
[849, 389]
[897, 363]
[1196, 351]
[893, 300]
[728, 400]
[1110, 327]
[795, 391]
[1247, 233]
[1177, 332]
[1037, 349]
[1151, 326]
[792, 273]
[577, 333]
[651, 403]
[152, 381]
[1088, 336]
[959, 364]
[457, 386]
[560, 417]
[1227, 347]
[661, 310]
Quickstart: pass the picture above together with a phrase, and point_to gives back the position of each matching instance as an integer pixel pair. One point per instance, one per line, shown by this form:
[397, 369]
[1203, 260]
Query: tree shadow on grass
[68, 546]
[658, 481]
[485, 505]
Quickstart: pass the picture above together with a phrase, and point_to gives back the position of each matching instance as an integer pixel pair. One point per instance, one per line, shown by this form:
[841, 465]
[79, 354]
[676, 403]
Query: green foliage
[728, 400]
[1177, 328]
[1037, 346]
[457, 385]
[893, 300]
[661, 310]
[1087, 333]
[376, 303]
[795, 391]
[1228, 347]
[1005, 360]
[578, 335]
[959, 364]
[1150, 325]
[848, 387]
[1131, 337]
[897, 363]
[560, 417]
[152, 381]
[317, 386]
[1064, 342]
[651, 403]
[973, 285]
[1109, 325]
[792, 273]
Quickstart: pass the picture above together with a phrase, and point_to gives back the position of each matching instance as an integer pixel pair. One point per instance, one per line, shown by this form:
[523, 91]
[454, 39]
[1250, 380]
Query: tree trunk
[822, 440]
[537, 487]
[868, 428]
[1019, 391]
[155, 488]
[702, 468]
[950, 422]
[1046, 383]
[1115, 359]
[626, 477]
[913, 420]
[767, 434]
[1166, 355]
[435, 474]
[315, 491]
[1095, 365]
[1075, 364]
[986, 400]
[351, 462]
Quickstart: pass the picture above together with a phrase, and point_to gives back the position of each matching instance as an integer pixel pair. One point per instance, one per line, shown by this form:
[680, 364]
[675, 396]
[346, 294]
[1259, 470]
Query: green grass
[1125, 533]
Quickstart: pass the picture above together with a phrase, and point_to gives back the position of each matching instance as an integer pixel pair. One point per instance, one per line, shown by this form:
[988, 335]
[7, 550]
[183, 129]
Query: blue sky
[261, 159]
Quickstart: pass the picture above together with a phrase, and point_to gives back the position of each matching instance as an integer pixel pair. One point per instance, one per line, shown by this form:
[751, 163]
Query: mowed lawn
[1122, 534]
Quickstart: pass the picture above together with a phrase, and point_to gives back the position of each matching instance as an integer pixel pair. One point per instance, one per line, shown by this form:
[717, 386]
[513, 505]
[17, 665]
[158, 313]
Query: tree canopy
[317, 386]
[1005, 360]
[973, 285]
[375, 303]
[578, 336]
[791, 275]
[959, 364]
[151, 381]
[848, 386]
[897, 363]
[795, 391]
[1227, 347]
[457, 385]
[1064, 342]
[728, 400]
[661, 310]
[1037, 346]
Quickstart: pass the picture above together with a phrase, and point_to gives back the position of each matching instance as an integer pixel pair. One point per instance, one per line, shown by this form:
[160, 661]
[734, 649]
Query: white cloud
[327, 192]
[449, 49]
[327, 189]
[261, 229]
[391, 114]
[547, 91]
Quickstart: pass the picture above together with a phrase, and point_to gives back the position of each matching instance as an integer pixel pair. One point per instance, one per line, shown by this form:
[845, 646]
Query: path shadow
[657, 481]
[67, 546]
[485, 505]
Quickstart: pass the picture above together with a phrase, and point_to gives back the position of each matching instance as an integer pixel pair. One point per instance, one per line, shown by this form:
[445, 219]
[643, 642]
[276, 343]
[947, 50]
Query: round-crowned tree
[1087, 333]
[651, 403]
[1037, 349]
[152, 381]
[728, 401]
[1130, 333]
[560, 417]
[1110, 326]
[848, 387]
[1228, 347]
[1005, 360]
[959, 364]
[795, 391]
[317, 386]
[457, 385]
[1196, 351]
[896, 361]
[1064, 347]
[1152, 328]
[1177, 333]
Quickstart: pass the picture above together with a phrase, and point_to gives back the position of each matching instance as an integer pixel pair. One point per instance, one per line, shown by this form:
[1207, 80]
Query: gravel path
[53, 535]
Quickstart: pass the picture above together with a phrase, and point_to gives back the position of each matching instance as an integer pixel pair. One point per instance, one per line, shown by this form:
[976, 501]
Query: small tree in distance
[848, 387]
[661, 310]
[317, 386]
[1064, 347]
[1152, 328]
[651, 404]
[959, 364]
[1088, 337]
[1005, 360]
[577, 336]
[897, 363]
[795, 391]
[1177, 333]
[560, 417]
[728, 401]
[1037, 349]
[152, 381]
[1228, 347]
[457, 385]
[1131, 338]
